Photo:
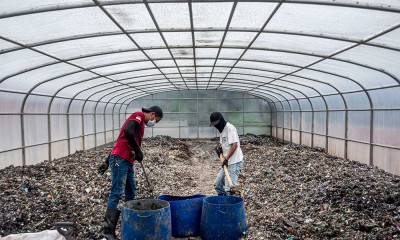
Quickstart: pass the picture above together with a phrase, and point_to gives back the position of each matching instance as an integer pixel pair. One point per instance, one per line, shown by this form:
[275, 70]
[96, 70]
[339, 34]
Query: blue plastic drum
[223, 217]
[185, 214]
[146, 219]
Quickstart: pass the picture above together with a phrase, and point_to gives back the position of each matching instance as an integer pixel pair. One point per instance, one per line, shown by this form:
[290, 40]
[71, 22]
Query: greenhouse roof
[116, 51]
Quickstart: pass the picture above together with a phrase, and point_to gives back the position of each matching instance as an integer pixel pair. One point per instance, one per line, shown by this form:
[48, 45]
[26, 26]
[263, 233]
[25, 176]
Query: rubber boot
[110, 223]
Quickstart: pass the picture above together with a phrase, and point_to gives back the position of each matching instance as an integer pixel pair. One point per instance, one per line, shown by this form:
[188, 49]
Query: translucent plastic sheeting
[301, 44]
[280, 57]
[53, 86]
[76, 122]
[147, 40]
[132, 16]
[178, 39]
[5, 45]
[359, 126]
[11, 102]
[355, 22]
[59, 149]
[27, 80]
[208, 38]
[113, 69]
[389, 39]
[358, 152]
[238, 39]
[336, 147]
[366, 3]
[72, 91]
[296, 88]
[335, 102]
[315, 87]
[11, 158]
[59, 105]
[386, 159]
[18, 6]
[336, 121]
[386, 98]
[358, 100]
[386, 128]
[109, 58]
[251, 15]
[369, 78]
[306, 122]
[341, 82]
[35, 28]
[318, 104]
[100, 108]
[211, 15]
[277, 69]
[320, 123]
[15, 61]
[11, 127]
[163, 12]
[305, 104]
[58, 127]
[380, 58]
[33, 134]
[36, 154]
[36, 104]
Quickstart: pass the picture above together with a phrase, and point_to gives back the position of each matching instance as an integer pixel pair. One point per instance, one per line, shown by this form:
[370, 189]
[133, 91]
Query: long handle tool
[147, 179]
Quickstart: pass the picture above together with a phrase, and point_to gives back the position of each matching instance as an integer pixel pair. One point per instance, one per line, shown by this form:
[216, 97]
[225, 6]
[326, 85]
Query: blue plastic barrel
[146, 219]
[185, 214]
[223, 217]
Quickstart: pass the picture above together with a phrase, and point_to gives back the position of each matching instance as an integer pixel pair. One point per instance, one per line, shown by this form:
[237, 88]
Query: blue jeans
[221, 184]
[122, 179]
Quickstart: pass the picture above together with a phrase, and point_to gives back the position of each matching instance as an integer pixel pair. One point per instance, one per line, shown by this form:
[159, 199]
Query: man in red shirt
[121, 159]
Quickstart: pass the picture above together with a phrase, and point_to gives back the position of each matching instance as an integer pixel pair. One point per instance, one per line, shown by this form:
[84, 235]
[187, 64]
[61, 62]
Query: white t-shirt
[228, 136]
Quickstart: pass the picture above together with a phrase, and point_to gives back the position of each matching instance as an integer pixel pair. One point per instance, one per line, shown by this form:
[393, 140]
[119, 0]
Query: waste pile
[290, 191]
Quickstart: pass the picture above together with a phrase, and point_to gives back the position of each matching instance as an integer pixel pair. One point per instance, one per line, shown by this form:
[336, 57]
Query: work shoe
[110, 223]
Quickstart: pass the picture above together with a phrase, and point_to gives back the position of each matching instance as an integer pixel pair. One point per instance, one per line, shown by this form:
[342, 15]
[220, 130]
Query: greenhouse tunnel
[314, 72]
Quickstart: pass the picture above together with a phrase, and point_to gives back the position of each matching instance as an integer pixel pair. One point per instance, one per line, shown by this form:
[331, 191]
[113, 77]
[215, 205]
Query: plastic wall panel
[59, 105]
[386, 98]
[75, 122]
[100, 139]
[89, 142]
[188, 132]
[76, 144]
[100, 108]
[306, 121]
[280, 133]
[336, 147]
[336, 124]
[319, 141]
[387, 128]
[11, 158]
[306, 139]
[73, 90]
[296, 137]
[89, 107]
[296, 120]
[357, 100]
[320, 122]
[288, 119]
[27, 80]
[304, 105]
[76, 106]
[37, 154]
[36, 104]
[359, 126]
[11, 127]
[10, 102]
[108, 122]
[287, 134]
[207, 132]
[387, 159]
[13, 62]
[59, 149]
[88, 124]
[318, 103]
[36, 129]
[99, 123]
[322, 87]
[59, 129]
[358, 152]
[335, 102]
[109, 137]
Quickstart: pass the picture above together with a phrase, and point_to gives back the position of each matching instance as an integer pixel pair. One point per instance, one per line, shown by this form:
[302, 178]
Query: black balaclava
[221, 125]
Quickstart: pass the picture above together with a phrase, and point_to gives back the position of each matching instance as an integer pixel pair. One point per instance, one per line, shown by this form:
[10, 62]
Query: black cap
[215, 117]
[156, 109]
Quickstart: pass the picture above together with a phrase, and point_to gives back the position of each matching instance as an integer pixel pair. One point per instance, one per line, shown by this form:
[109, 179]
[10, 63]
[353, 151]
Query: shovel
[147, 179]
[221, 157]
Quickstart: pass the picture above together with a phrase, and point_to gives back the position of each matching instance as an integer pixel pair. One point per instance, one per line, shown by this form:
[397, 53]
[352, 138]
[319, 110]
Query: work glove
[104, 166]
[138, 155]
[218, 150]
[225, 163]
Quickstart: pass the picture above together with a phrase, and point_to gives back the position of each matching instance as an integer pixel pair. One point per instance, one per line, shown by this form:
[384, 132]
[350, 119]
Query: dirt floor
[290, 191]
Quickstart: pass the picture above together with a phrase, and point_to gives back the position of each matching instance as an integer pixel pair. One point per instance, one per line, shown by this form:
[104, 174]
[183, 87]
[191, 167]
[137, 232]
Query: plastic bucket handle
[144, 215]
[222, 209]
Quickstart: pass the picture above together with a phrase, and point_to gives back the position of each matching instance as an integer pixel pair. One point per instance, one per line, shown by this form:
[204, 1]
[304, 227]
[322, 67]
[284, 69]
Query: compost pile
[290, 191]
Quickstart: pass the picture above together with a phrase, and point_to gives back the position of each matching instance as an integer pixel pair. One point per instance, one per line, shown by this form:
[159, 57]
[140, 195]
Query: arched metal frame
[267, 90]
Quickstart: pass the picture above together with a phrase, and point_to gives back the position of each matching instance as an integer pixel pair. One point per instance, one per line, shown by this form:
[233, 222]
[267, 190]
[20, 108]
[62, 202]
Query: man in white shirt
[230, 148]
